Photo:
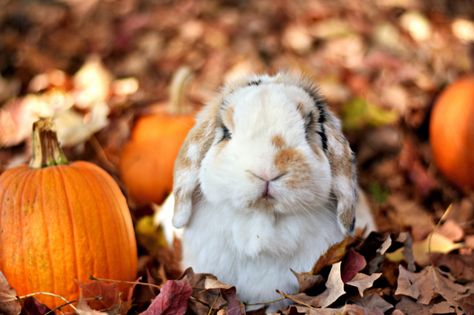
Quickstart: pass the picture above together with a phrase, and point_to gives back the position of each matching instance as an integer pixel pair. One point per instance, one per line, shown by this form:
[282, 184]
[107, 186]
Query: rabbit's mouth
[266, 202]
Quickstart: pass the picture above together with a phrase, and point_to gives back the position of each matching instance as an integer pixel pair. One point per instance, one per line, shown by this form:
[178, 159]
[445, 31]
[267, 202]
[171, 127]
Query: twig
[49, 294]
[441, 220]
[297, 301]
[127, 282]
[214, 303]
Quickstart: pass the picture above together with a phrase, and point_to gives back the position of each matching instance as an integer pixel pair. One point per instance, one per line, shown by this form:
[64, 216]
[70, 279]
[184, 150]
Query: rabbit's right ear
[187, 164]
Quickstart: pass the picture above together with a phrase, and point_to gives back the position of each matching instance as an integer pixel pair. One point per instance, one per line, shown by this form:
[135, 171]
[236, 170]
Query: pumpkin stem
[46, 148]
[180, 81]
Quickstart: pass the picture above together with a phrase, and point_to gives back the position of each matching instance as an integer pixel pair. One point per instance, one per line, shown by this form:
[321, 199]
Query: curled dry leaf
[352, 263]
[307, 280]
[334, 290]
[334, 254]
[9, 303]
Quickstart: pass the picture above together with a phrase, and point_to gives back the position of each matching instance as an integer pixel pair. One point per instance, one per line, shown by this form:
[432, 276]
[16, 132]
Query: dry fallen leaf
[307, 280]
[100, 295]
[460, 266]
[352, 263]
[429, 283]
[9, 304]
[334, 254]
[374, 303]
[172, 300]
[362, 281]
[334, 288]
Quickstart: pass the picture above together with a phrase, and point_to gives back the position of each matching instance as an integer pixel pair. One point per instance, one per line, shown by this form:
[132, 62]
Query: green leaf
[358, 113]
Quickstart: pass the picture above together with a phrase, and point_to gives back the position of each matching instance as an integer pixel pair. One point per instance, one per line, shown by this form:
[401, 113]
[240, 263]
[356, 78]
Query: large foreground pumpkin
[452, 132]
[61, 223]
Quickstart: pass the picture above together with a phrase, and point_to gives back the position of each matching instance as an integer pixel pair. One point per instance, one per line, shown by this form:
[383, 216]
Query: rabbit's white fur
[280, 132]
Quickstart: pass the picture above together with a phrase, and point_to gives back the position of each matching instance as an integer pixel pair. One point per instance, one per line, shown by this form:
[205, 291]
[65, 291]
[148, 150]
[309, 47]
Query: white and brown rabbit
[264, 183]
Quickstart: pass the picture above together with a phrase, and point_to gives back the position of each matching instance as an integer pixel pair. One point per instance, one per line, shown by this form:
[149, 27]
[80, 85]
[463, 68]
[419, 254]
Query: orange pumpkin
[452, 132]
[61, 223]
[147, 160]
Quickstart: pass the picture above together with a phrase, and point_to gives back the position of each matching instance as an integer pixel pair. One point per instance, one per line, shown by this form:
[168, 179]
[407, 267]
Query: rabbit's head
[267, 143]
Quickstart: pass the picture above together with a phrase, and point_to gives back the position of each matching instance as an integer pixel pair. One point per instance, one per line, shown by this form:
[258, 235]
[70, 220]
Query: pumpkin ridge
[127, 222]
[69, 211]
[76, 173]
[105, 187]
[8, 175]
[21, 195]
[51, 280]
[8, 191]
[93, 188]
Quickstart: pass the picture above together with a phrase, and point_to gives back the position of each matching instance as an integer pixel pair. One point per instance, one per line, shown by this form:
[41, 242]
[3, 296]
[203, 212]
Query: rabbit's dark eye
[226, 135]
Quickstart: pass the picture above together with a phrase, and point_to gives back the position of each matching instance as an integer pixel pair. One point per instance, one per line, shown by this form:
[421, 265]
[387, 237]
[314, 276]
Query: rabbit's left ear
[343, 169]
[186, 186]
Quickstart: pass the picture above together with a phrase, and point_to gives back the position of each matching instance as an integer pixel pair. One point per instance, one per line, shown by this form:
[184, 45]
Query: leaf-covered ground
[98, 65]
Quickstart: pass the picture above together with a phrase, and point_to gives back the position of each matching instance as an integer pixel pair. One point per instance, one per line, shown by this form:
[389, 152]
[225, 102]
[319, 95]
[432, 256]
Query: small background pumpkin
[147, 160]
[61, 223]
[452, 132]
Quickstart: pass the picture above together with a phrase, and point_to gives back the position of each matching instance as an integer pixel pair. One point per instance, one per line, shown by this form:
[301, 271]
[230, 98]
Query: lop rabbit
[264, 183]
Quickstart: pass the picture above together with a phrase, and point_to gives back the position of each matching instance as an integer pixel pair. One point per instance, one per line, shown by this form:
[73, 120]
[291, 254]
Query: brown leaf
[408, 306]
[352, 263]
[172, 300]
[429, 283]
[334, 289]
[362, 281]
[334, 254]
[100, 295]
[9, 303]
[307, 280]
[334, 285]
[375, 303]
[31, 306]
[210, 293]
[460, 266]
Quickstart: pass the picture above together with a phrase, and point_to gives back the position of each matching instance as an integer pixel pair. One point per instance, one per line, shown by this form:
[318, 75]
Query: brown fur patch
[346, 217]
[285, 158]
[278, 141]
[300, 108]
[292, 161]
[228, 117]
[183, 162]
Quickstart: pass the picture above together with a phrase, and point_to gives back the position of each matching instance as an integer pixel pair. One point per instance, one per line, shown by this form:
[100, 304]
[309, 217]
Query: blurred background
[99, 67]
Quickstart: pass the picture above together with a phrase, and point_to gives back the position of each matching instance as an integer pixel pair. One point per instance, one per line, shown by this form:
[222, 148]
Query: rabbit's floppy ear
[343, 169]
[187, 164]
[340, 156]
[337, 149]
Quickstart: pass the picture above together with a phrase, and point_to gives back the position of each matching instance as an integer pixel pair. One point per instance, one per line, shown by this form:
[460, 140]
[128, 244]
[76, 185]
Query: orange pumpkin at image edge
[61, 223]
[147, 159]
[452, 132]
